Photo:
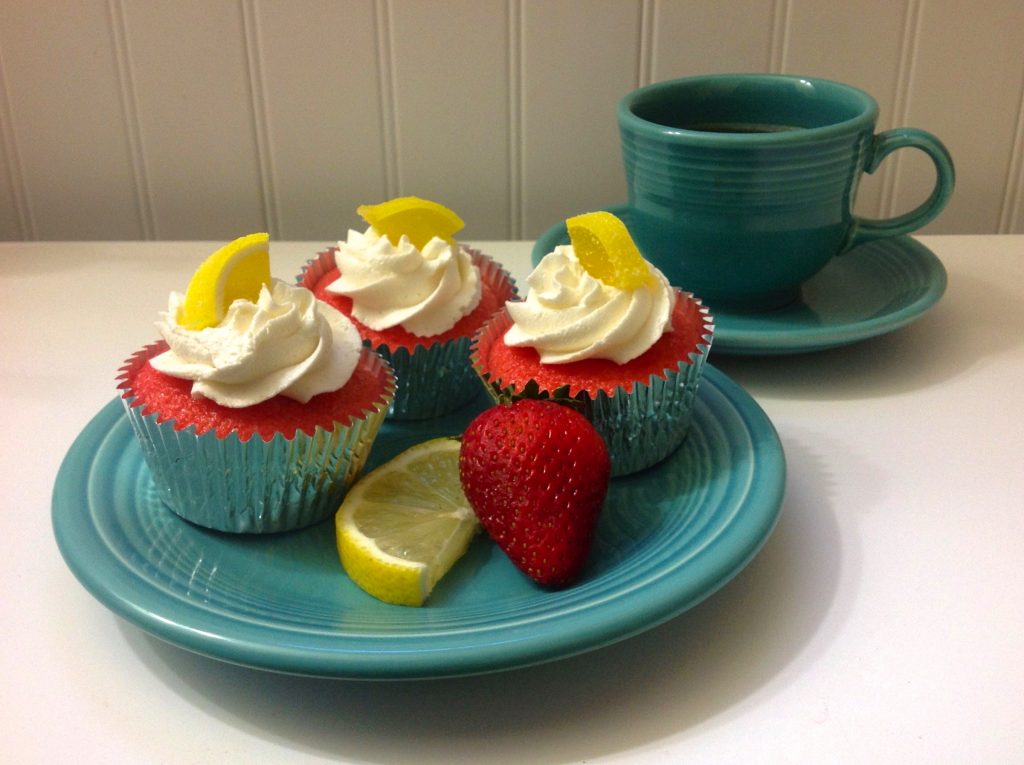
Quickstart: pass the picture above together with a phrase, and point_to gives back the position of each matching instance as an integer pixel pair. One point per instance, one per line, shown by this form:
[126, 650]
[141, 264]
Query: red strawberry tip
[536, 474]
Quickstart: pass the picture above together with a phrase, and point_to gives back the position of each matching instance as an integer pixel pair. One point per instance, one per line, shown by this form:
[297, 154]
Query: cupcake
[258, 408]
[416, 296]
[602, 330]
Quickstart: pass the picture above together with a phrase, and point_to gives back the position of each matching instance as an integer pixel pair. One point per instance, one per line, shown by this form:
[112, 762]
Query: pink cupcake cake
[260, 421]
[630, 358]
[417, 297]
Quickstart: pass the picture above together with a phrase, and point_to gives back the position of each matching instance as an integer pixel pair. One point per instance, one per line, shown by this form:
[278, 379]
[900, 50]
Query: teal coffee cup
[742, 186]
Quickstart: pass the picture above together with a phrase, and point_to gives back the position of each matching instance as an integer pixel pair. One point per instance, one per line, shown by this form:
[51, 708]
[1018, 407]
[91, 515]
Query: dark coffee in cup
[735, 127]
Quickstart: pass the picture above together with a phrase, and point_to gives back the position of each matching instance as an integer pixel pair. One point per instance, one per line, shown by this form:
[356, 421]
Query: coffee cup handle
[866, 229]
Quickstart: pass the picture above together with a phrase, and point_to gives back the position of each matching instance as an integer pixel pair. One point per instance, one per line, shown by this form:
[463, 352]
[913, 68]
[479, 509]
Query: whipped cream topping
[286, 343]
[424, 292]
[568, 315]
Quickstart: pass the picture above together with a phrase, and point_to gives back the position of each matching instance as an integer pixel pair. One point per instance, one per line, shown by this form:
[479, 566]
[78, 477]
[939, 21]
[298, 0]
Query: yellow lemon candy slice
[419, 219]
[607, 251]
[235, 271]
[401, 527]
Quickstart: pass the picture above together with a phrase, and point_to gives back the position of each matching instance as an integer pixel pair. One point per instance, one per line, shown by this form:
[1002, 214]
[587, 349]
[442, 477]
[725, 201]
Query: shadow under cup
[741, 187]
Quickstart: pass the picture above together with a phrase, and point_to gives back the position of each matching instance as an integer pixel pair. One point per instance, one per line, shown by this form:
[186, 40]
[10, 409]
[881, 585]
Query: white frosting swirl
[286, 343]
[568, 315]
[425, 292]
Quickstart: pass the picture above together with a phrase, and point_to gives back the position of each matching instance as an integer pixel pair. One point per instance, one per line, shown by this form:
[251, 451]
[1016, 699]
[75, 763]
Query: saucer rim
[767, 341]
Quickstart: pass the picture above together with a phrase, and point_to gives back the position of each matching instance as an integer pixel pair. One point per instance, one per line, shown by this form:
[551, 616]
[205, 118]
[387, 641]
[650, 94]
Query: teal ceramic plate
[870, 291]
[668, 538]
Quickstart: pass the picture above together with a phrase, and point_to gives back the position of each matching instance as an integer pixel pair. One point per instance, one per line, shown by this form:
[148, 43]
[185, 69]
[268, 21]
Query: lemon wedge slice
[419, 219]
[606, 250]
[402, 526]
[235, 271]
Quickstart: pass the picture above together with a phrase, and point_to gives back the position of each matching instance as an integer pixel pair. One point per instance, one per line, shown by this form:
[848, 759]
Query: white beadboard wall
[205, 119]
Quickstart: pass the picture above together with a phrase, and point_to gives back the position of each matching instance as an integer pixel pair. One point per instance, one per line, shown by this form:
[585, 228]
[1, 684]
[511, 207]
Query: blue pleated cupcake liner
[641, 425]
[255, 486]
[431, 380]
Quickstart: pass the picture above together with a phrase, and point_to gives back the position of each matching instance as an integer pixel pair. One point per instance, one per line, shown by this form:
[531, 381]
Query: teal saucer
[668, 537]
[871, 290]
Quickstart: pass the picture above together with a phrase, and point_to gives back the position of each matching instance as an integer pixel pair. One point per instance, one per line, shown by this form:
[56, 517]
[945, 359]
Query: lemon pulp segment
[403, 526]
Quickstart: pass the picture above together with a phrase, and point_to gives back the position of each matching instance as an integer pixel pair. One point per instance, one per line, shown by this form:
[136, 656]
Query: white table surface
[882, 622]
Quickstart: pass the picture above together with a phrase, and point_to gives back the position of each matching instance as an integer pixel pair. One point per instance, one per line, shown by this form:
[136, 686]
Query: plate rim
[113, 584]
[732, 341]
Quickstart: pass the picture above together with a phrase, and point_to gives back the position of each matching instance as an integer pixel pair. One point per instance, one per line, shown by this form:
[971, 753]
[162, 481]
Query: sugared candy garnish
[606, 250]
[236, 271]
[419, 219]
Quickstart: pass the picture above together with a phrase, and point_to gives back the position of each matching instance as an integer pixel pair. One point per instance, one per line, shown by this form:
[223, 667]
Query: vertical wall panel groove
[516, 149]
[388, 105]
[645, 47]
[901, 102]
[972, 105]
[130, 110]
[190, 68]
[1013, 196]
[321, 100]
[260, 117]
[577, 68]
[16, 176]
[780, 34]
[452, 108]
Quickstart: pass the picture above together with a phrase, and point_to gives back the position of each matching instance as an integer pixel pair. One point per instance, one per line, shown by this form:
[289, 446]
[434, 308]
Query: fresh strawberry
[536, 474]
